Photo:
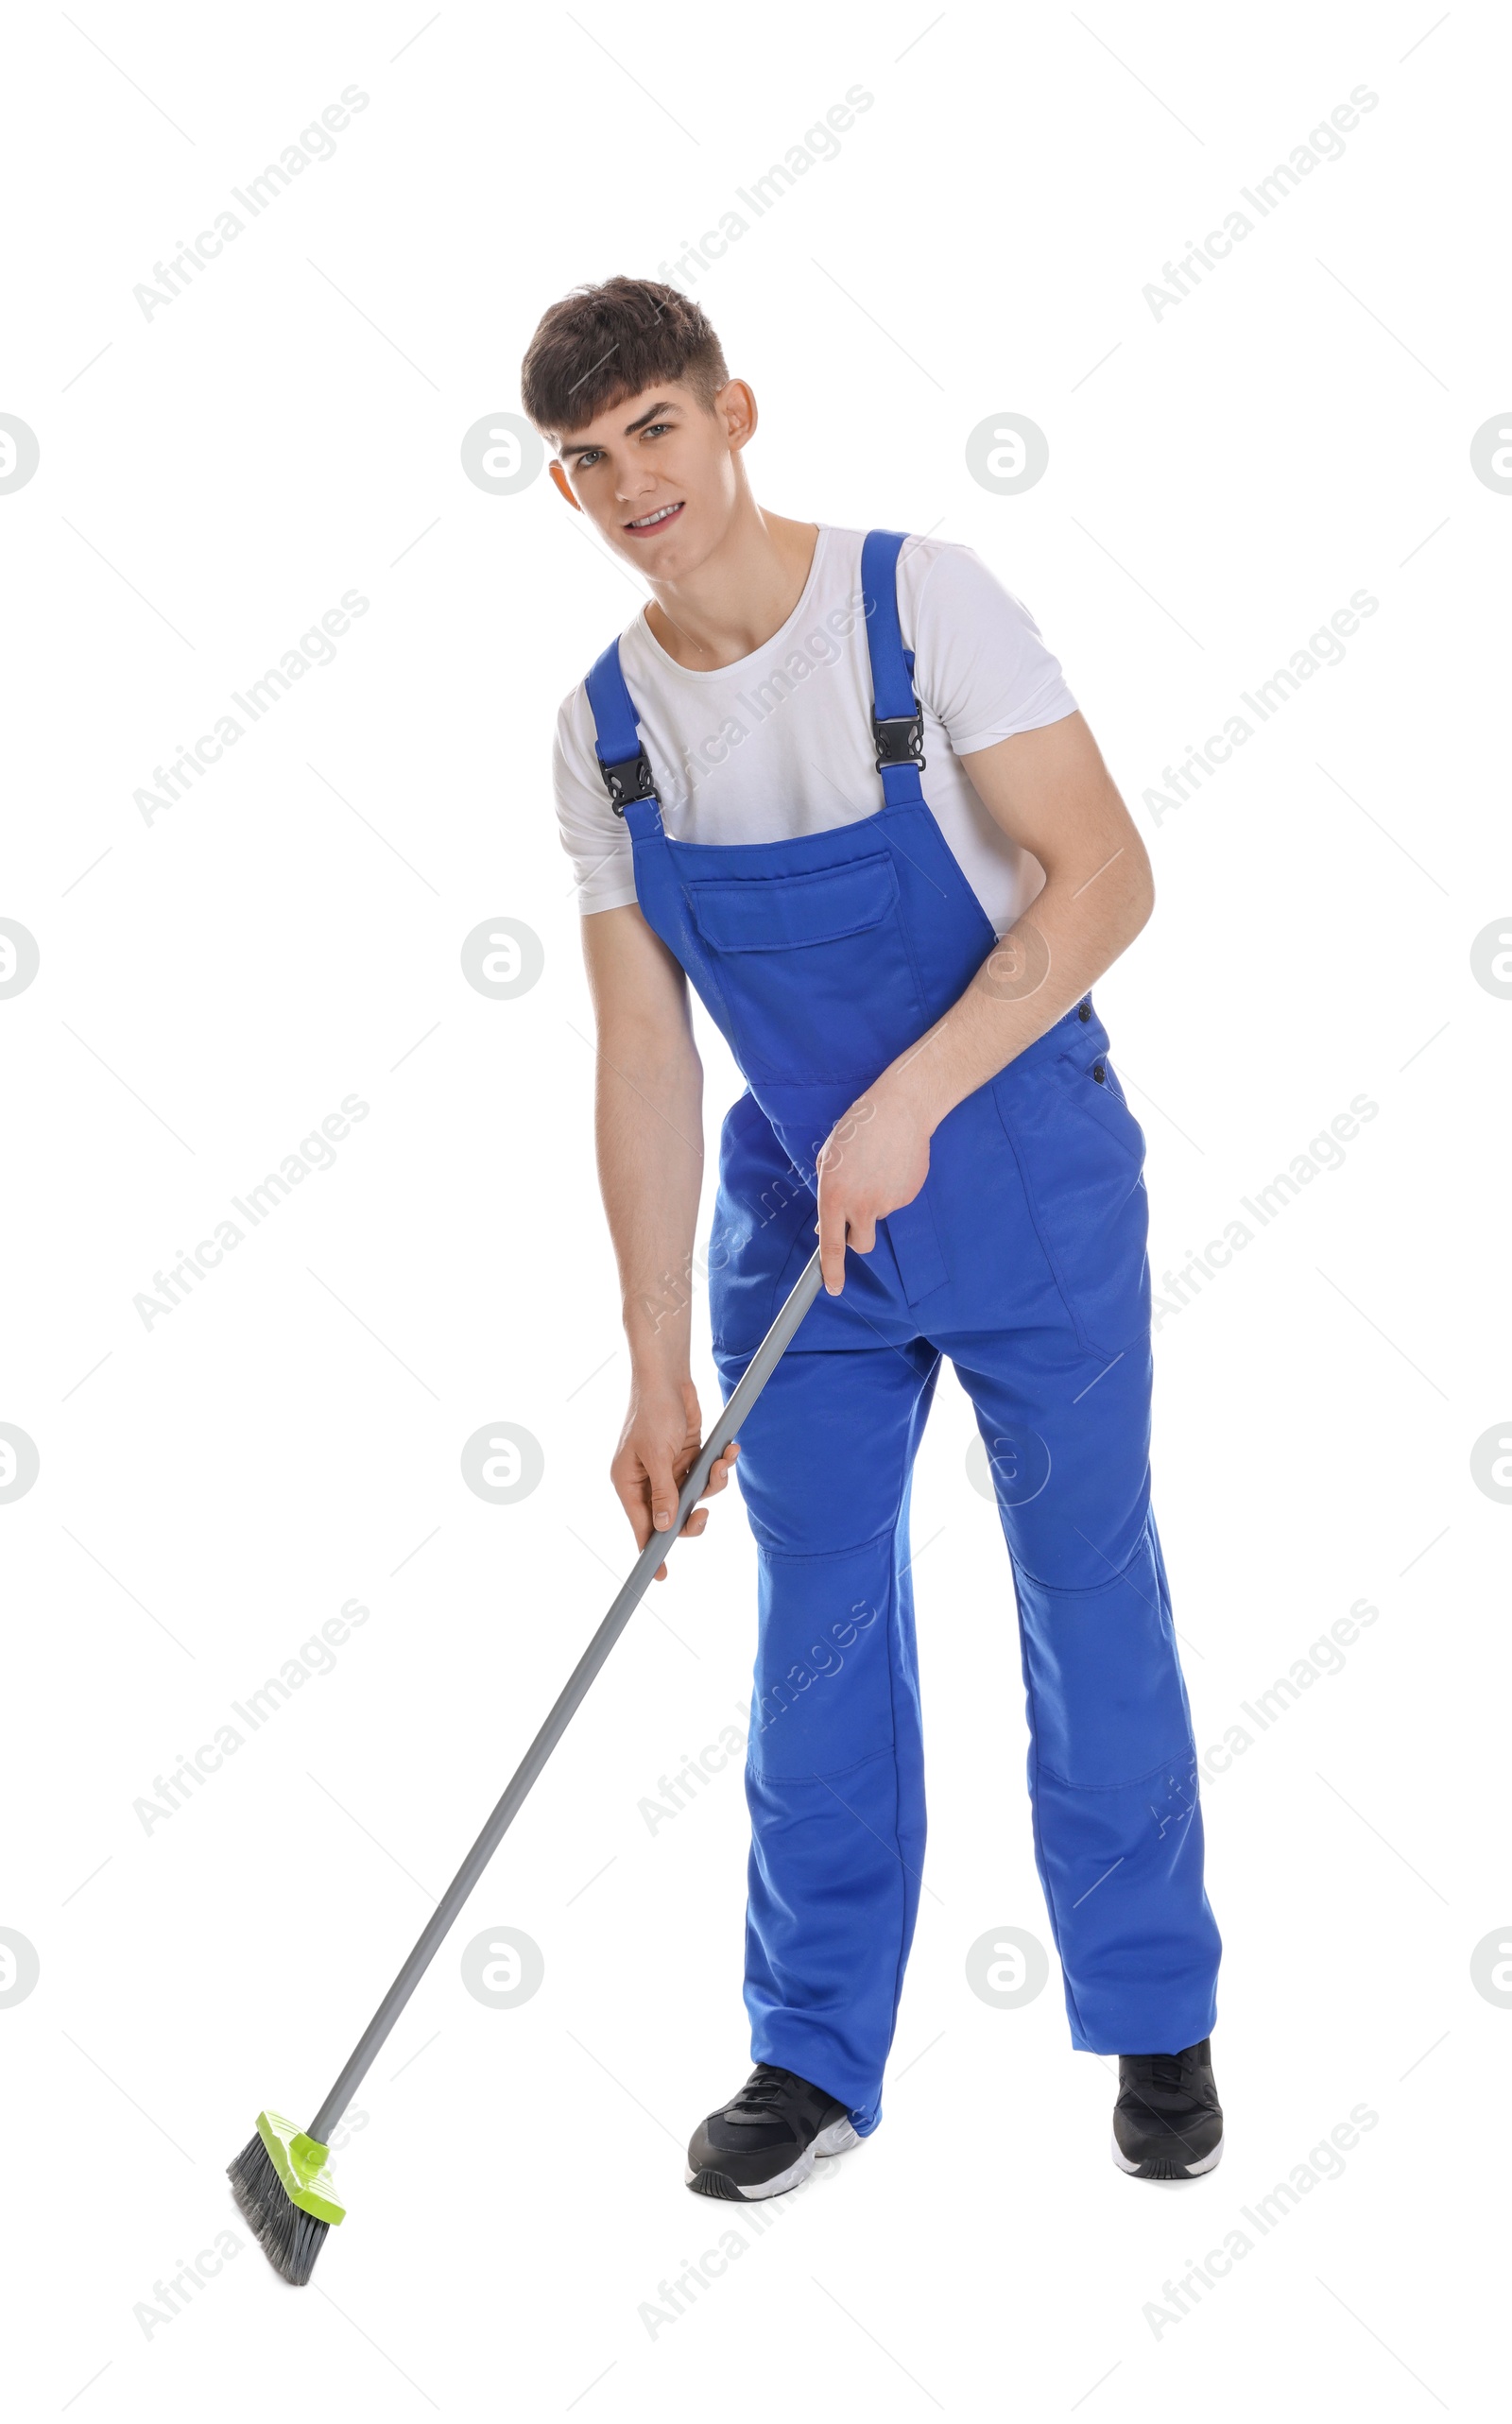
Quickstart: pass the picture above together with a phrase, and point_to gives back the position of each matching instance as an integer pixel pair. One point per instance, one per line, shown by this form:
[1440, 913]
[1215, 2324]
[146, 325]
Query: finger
[664, 1492]
[832, 1248]
[632, 1496]
[863, 1236]
[719, 1472]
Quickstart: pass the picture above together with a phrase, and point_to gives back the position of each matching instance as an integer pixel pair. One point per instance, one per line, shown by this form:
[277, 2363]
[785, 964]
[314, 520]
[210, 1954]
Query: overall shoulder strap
[622, 759]
[897, 718]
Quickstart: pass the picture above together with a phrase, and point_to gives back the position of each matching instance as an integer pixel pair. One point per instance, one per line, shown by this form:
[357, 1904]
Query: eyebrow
[658, 412]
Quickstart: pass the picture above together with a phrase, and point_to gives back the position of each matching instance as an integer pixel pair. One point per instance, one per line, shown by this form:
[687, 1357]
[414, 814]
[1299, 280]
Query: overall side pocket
[1081, 1155]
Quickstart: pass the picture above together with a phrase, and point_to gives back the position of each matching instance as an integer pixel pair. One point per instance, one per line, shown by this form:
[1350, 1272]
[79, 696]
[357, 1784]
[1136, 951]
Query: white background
[212, 985]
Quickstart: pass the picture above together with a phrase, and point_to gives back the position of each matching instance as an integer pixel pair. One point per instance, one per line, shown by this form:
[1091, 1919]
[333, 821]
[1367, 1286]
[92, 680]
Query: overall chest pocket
[815, 969]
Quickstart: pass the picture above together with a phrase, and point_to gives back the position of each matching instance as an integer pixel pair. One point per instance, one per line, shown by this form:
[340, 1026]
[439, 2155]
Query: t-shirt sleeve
[594, 839]
[980, 664]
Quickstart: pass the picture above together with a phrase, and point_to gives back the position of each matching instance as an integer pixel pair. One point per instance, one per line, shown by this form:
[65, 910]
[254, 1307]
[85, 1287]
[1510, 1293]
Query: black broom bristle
[289, 2238]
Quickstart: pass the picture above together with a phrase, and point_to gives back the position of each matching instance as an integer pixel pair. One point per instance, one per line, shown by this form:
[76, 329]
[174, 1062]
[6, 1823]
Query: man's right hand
[658, 1445]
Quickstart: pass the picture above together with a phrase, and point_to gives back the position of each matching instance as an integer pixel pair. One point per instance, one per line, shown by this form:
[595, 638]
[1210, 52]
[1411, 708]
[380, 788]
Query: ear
[736, 406]
[563, 488]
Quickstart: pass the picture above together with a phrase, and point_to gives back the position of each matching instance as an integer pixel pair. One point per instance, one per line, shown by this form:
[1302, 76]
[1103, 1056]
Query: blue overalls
[1023, 1258]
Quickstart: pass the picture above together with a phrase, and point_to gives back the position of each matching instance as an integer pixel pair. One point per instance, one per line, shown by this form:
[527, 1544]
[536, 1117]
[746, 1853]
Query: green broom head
[287, 2194]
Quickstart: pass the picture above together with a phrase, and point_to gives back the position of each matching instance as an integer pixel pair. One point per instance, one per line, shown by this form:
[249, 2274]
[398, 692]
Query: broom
[280, 2178]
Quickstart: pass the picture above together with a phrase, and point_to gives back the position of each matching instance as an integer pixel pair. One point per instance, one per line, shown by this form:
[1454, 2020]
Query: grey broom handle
[757, 1371]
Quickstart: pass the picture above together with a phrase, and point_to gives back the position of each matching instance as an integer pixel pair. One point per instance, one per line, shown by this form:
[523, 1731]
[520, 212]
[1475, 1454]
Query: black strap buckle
[631, 779]
[899, 738]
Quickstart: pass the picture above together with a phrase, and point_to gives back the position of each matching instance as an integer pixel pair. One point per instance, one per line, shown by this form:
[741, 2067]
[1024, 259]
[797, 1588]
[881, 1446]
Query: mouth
[663, 515]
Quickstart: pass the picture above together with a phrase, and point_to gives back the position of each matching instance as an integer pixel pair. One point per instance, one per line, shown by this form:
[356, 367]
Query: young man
[902, 978]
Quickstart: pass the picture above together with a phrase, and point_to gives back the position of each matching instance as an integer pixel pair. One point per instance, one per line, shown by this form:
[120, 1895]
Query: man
[904, 982]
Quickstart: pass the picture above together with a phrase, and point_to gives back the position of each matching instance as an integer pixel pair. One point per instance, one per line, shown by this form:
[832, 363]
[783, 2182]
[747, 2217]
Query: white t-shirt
[780, 743]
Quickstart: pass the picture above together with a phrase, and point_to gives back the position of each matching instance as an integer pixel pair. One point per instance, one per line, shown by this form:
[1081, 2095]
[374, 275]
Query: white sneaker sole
[1188, 2172]
[837, 2139]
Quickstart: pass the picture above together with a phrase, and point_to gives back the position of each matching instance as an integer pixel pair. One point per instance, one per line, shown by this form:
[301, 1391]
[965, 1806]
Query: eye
[590, 456]
[652, 428]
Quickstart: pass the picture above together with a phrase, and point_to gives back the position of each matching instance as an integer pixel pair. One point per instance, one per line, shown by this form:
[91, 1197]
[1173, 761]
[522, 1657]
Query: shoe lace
[1159, 2071]
[766, 2086]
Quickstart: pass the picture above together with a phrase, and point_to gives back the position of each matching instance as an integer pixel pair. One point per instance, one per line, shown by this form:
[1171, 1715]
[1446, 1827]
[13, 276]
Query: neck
[743, 592]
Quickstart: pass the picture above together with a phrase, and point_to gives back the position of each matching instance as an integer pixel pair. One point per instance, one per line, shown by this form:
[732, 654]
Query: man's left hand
[874, 1160]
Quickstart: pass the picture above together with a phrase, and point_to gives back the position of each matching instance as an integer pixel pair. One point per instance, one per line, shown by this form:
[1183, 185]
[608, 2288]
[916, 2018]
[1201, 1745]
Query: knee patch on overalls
[1106, 1700]
[825, 1678]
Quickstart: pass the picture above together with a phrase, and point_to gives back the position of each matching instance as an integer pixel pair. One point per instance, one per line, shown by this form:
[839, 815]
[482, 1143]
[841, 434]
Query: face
[658, 474]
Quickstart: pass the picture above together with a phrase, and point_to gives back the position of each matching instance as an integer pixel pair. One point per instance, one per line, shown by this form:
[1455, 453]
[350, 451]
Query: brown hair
[605, 342]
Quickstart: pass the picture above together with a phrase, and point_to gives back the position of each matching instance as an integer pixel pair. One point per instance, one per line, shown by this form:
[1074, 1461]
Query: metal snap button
[1084, 1011]
[1099, 1071]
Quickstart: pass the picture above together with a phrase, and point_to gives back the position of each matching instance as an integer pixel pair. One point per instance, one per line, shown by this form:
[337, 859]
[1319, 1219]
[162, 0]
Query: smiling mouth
[664, 514]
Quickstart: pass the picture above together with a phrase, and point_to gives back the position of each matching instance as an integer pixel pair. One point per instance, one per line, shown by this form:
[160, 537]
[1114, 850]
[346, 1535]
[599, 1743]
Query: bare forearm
[1070, 933]
[650, 1126]
[649, 1129]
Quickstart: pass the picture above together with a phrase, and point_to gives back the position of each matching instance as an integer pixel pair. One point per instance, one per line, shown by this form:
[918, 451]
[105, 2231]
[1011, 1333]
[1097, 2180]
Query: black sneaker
[1167, 2122]
[766, 2138]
